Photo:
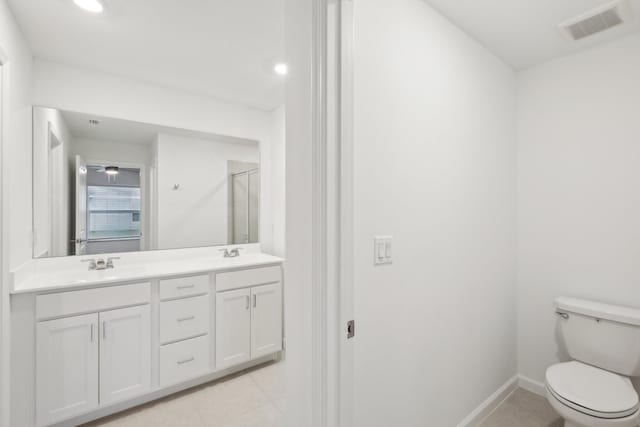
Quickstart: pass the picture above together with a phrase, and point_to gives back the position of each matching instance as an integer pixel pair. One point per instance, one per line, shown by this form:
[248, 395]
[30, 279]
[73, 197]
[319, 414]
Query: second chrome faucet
[100, 263]
[231, 253]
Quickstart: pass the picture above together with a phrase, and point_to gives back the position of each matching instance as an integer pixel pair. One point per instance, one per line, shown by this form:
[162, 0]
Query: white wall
[75, 89]
[196, 213]
[18, 144]
[100, 150]
[278, 161]
[579, 201]
[16, 152]
[435, 149]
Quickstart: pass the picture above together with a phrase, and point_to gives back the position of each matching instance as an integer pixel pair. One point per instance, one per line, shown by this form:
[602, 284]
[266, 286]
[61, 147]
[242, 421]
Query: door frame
[52, 134]
[333, 210]
[5, 339]
[343, 167]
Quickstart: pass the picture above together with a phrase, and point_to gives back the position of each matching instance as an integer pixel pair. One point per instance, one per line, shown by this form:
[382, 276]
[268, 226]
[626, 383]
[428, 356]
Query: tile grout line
[502, 402]
[523, 411]
[199, 414]
[271, 401]
[240, 374]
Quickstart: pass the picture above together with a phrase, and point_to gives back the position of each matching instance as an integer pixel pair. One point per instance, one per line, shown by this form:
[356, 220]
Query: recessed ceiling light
[93, 6]
[281, 69]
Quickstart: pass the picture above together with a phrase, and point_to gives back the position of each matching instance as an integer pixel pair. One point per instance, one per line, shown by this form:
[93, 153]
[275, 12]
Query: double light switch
[382, 250]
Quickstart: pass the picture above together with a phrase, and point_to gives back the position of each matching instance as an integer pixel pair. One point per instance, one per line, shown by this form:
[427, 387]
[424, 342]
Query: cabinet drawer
[184, 360]
[184, 287]
[184, 318]
[91, 300]
[246, 278]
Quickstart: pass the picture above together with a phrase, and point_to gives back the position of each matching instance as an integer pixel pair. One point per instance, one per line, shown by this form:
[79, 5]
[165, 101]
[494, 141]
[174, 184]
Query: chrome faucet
[100, 263]
[110, 261]
[231, 253]
[92, 263]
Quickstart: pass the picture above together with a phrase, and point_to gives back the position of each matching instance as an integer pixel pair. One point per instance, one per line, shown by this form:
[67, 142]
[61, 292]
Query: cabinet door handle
[104, 330]
[186, 286]
[190, 359]
[184, 319]
[247, 307]
[255, 300]
[92, 326]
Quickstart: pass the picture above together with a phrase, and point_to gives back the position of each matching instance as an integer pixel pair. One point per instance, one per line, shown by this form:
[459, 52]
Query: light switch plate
[382, 253]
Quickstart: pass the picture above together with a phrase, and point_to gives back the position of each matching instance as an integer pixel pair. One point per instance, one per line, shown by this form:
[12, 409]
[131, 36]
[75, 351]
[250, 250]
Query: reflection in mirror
[105, 185]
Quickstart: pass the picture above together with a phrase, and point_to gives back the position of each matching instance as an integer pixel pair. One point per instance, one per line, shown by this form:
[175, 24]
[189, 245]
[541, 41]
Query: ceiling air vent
[597, 20]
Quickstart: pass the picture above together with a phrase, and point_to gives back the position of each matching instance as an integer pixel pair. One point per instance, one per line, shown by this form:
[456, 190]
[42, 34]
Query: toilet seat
[592, 391]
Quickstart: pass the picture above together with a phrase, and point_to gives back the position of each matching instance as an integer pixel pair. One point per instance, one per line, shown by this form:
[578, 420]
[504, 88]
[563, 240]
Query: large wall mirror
[104, 185]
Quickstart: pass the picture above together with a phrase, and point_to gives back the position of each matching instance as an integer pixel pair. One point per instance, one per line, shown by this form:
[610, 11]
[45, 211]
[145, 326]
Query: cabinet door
[233, 327]
[266, 320]
[125, 353]
[66, 368]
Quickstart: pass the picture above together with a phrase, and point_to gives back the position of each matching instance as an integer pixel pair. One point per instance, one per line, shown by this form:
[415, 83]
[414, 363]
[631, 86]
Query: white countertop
[70, 273]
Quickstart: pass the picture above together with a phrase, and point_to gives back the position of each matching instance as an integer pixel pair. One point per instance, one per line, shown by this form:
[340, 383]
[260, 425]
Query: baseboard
[532, 385]
[476, 417]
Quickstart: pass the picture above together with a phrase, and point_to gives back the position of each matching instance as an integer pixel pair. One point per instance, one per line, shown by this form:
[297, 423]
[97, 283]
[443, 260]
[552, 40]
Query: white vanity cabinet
[249, 319]
[185, 321]
[184, 318]
[184, 360]
[125, 353]
[233, 327]
[85, 361]
[106, 346]
[266, 320]
[67, 367]
[91, 360]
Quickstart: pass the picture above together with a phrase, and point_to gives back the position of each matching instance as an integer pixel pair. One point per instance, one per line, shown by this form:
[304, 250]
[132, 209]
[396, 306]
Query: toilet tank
[603, 335]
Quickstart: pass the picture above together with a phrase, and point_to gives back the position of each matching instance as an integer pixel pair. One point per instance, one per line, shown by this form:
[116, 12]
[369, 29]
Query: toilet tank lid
[615, 313]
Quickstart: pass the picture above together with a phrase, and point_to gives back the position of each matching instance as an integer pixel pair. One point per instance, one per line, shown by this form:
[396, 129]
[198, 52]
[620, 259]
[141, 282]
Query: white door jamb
[4, 249]
[333, 158]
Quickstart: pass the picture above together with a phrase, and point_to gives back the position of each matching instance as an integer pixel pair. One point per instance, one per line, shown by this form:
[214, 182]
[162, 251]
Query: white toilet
[594, 390]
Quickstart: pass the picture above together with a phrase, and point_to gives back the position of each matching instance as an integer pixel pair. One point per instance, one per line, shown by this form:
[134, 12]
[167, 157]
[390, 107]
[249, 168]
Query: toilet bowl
[586, 396]
[595, 389]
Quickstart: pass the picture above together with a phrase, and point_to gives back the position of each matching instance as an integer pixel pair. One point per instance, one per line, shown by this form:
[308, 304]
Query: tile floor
[256, 398]
[523, 409]
[253, 398]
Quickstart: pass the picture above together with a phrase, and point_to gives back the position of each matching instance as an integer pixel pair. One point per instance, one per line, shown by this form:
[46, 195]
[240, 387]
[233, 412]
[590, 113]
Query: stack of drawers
[184, 328]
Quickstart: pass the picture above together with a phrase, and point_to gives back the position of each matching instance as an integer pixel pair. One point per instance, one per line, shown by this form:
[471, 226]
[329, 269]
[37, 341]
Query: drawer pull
[186, 286]
[182, 362]
[184, 319]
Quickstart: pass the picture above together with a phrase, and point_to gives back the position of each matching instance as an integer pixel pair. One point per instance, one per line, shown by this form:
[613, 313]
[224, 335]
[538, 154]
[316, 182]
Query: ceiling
[222, 48]
[112, 130]
[227, 49]
[525, 32]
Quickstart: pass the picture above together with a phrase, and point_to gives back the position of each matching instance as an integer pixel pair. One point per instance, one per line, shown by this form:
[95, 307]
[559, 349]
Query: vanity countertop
[70, 273]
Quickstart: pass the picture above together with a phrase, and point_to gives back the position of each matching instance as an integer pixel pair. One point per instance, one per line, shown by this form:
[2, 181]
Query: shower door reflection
[245, 215]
